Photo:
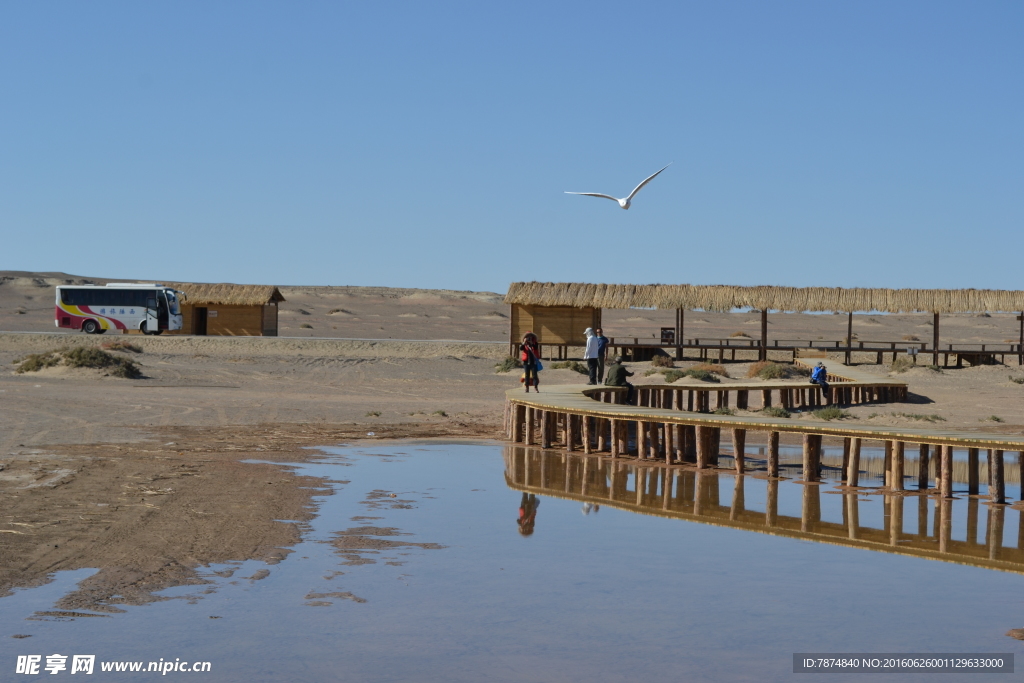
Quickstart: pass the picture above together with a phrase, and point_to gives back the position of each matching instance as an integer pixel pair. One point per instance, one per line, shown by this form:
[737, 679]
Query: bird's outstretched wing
[598, 194]
[640, 186]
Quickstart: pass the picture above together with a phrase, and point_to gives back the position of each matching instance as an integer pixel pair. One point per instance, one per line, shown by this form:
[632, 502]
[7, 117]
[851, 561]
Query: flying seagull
[624, 203]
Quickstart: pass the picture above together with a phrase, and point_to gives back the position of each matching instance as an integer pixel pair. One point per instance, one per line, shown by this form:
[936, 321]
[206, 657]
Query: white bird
[624, 203]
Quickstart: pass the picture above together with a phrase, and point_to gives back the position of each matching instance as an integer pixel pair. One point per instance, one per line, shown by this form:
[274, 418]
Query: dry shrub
[80, 357]
[911, 337]
[713, 368]
[740, 334]
[306, 326]
[120, 346]
[902, 364]
[663, 362]
[574, 365]
[508, 365]
[766, 369]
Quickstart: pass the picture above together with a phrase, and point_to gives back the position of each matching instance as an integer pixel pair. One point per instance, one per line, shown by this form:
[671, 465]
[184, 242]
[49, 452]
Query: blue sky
[429, 144]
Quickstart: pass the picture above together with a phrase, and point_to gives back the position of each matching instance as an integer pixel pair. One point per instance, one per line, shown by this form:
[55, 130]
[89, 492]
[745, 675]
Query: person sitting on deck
[819, 376]
[617, 375]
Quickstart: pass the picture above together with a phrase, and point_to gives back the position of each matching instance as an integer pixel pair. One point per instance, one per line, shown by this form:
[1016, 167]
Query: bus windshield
[172, 301]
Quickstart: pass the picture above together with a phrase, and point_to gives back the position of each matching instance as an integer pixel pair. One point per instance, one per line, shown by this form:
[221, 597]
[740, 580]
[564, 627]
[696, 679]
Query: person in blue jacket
[819, 376]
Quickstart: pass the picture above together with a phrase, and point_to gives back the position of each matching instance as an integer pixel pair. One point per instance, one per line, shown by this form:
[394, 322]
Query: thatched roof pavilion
[225, 309]
[794, 299]
[544, 301]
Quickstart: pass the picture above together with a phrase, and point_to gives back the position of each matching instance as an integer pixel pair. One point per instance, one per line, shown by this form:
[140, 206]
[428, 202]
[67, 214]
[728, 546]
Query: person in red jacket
[530, 354]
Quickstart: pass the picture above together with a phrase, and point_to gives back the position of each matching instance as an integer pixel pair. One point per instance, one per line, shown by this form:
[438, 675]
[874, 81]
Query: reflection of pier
[694, 495]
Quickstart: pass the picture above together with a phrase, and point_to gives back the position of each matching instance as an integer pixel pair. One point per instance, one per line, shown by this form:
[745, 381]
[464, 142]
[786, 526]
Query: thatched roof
[228, 295]
[800, 299]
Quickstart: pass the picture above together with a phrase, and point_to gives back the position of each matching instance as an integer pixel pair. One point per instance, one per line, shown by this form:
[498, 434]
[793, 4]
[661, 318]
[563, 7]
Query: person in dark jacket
[617, 375]
[602, 352]
[530, 355]
[819, 376]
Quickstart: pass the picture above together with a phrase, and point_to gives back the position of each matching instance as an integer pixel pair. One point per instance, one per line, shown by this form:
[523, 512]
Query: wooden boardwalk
[666, 427]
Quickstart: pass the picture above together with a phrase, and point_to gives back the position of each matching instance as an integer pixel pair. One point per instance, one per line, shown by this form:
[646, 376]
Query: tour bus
[151, 308]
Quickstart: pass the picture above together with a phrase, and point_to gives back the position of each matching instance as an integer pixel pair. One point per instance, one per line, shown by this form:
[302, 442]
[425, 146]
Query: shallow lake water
[501, 563]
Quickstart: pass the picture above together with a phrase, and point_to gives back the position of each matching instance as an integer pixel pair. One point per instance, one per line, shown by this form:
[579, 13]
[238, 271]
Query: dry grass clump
[306, 326]
[713, 368]
[662, 362]
[120, 346]
[766, 369]
[335, 311]
[902, 364]
[911, 337]
[774, 411]
[724, 411]
[1017, 380]
[830, 413]
[740, 334]
[80, 357]
[911, 416]
[993, 418]
[574, 365]
[508, 365]
[34, 362]
[373, 413]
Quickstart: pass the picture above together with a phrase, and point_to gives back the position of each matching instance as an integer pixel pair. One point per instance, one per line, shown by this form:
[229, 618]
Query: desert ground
[94, 468]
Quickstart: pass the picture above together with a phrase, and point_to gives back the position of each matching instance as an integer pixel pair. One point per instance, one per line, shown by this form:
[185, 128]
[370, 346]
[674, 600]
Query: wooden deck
[596, 419]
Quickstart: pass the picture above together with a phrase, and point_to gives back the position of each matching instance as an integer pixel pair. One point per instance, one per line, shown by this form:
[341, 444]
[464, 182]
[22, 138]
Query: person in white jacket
[592, 354]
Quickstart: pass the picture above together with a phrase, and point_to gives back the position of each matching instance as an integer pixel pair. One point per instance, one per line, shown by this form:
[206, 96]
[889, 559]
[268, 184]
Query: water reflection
[907, 523]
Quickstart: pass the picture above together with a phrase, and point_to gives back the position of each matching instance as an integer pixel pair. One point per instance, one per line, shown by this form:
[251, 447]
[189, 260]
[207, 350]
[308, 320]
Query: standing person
[819, 376]
[617, 375]
[591, 354]
[530, 355]
[602, 352]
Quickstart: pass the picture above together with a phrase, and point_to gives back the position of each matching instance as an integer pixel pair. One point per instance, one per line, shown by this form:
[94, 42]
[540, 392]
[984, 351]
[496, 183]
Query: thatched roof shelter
[228, 295]
[796, 299]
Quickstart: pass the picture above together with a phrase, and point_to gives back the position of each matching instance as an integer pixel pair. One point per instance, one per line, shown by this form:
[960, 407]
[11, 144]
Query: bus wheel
[90, 327]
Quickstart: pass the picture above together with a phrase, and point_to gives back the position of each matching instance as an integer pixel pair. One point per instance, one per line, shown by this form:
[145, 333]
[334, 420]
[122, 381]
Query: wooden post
[946, 489]
[999, 492]
[680, 319]
[899, 448]
[853, 476]
[773, 454]
[739, 442]
[703, 447]
[641, 439]
[771, 512]
[613, 437]
[937, 459]
[887, 466]
[738, 500]
[846, 459]
[973, 471]
[849, 338]
[935, 339]
[766, 398]
[545, 429]
[586, 433]
[716, 444]
[517, 427]
[922, 467]
[812, 442]
[763, 355]
[529, 426]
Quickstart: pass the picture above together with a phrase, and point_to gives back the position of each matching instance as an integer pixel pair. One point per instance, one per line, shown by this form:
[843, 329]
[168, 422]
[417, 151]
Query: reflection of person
[617, 375]
[530, 356]
[602, 352]
[590, 507]
[591, 354]
[819, 376]
[527, 513]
